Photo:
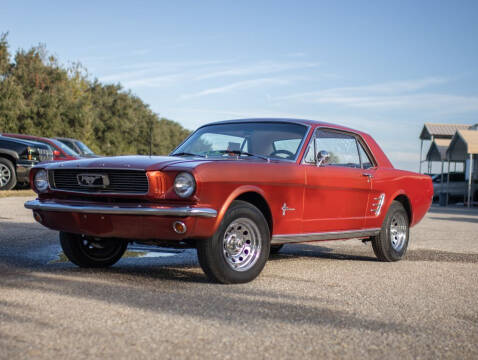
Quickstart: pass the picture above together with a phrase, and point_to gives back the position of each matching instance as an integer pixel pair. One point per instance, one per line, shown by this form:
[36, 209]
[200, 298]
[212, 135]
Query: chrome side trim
[183, 211]
[377, 206]
[332, 235]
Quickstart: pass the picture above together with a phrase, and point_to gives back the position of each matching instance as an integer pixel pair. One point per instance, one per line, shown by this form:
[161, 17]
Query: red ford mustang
[235, 190]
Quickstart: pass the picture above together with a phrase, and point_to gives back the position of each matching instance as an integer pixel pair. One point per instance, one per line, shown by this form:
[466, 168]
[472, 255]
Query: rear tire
[392, 242]
[8, 177]
[239, 249]
[89, 252]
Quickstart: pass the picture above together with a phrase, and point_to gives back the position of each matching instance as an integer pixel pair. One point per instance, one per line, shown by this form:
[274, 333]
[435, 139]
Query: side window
[366, 162]
[342, 148]
[309, 157]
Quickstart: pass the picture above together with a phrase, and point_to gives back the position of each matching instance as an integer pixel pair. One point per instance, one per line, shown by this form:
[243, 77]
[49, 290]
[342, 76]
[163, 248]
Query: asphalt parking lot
[321, 300]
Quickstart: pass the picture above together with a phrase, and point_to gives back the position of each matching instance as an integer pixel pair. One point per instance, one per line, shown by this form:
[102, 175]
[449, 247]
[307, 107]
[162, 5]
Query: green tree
[40, 96]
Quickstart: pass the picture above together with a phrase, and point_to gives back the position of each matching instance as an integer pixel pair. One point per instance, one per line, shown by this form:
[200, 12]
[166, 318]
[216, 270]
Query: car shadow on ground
[453, 210]
[459, 219]
[176, 285]
[297, 251]
[146, 289]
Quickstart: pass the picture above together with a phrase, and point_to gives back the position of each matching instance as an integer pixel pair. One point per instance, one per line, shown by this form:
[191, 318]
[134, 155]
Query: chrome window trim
[299, 149]
[330, 235]
[357, 137]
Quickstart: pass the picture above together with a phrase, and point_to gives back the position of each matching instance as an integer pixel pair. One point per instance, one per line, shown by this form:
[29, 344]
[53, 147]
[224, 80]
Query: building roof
[437, 151]
[464, 142]
[443, 131]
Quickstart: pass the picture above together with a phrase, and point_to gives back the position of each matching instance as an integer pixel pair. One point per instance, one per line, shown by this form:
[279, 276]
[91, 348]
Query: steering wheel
[289, 155]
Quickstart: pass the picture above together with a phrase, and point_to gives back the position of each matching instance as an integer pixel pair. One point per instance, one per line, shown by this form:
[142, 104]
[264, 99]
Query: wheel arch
[253, 195]
[8, 157]
[405, 201]
[259, 202]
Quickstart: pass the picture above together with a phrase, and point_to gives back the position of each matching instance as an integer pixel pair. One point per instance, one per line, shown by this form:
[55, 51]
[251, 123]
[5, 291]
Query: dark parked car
[456, 188]
[78, 146]
[61, 152]
[17, 157]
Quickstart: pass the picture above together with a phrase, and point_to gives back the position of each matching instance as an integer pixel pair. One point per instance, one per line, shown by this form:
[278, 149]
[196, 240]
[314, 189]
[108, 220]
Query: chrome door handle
[370, 176]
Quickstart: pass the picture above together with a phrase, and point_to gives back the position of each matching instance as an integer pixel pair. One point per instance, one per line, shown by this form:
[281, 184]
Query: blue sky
[384, 67]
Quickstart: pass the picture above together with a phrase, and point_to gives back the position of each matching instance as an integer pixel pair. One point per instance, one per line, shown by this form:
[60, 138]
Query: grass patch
[13, 193]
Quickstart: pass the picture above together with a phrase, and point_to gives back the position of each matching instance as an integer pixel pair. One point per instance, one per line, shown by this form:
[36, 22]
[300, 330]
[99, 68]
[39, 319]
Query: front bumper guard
[183, 211]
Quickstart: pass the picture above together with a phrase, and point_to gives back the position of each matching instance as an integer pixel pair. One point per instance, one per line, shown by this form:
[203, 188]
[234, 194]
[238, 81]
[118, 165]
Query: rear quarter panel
[393, 183]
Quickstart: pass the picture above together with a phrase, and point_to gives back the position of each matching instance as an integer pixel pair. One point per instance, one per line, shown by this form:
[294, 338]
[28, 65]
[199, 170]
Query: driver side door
[337, 192]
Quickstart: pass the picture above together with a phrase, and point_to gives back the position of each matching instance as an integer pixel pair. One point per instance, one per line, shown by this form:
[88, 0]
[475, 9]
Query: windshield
[85, 149]
[261, 139]
[66, 149]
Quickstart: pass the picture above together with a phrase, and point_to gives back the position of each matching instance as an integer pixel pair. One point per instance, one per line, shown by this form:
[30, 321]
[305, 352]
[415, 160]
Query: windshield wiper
[239, 152]
[186, 154]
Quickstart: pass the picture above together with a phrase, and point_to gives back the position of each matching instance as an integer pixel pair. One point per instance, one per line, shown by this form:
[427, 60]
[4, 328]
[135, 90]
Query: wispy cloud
[393, 87]
[239, 85]
[397, 94]
[155, 81]
[254, 69]
[163, 73]
[158, 74]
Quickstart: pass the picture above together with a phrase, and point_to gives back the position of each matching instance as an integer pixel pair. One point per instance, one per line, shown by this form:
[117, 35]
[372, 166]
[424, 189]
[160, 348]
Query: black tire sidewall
[71, 245]
[13, 176]
[210, 251]
[389, 252]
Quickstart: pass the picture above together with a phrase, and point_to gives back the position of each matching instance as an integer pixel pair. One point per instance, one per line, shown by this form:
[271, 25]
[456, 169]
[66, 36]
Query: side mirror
[56, 153]
[322, 158]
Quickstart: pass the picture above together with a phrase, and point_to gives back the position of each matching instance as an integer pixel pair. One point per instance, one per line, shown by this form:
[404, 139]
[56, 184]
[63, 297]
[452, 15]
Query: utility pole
[151, 137]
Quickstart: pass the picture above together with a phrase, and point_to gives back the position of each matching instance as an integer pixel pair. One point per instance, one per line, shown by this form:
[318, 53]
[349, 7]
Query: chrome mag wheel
[398, 231]
[5, 175]
[241, 244]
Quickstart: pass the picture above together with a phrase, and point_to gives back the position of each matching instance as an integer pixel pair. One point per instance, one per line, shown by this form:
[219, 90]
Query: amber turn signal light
[156, 182]
[179, 227]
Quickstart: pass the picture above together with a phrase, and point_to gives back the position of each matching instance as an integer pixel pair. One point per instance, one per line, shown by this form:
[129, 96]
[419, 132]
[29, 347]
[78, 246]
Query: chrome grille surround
[120, 181]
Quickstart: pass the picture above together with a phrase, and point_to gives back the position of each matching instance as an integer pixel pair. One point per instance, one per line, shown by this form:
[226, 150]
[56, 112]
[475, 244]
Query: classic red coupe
[236, 191]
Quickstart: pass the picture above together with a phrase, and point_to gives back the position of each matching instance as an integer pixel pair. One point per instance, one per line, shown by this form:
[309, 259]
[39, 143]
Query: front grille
[120, 181]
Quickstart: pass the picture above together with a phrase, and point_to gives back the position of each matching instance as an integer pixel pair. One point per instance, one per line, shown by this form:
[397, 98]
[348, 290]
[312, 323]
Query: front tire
[89, 252]
[8, 177]
[239, 249]
[392, 242]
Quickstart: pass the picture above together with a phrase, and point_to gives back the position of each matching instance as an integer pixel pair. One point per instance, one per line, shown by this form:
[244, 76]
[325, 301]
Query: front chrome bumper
[183, 211]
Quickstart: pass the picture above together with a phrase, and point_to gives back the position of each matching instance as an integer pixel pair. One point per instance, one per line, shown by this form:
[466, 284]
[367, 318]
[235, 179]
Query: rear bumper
[141, 222]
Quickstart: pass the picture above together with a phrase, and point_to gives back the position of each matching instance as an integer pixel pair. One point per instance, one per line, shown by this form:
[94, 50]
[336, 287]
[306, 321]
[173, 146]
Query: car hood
[123, 162]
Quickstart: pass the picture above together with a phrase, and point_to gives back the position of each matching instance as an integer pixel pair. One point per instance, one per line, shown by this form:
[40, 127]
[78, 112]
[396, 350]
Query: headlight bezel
[44, 181]
[184, 190]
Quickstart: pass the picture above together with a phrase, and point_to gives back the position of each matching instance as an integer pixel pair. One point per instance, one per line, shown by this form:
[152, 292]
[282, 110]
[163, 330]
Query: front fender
[234, 195]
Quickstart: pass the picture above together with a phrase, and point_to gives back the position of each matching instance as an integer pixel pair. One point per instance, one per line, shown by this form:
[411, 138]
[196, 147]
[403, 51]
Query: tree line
[40, 96]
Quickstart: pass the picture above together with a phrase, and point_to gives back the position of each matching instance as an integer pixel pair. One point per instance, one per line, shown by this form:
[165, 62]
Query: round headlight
[41, 180]
[184, 185]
